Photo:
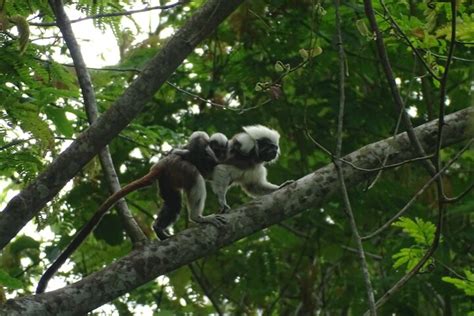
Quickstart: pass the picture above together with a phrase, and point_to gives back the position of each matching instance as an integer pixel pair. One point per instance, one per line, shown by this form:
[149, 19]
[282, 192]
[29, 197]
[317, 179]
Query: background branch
[90, 104]
[417, 194]
[340, 174]
[384, 60]
[21, 208]
[437, 166]
[112, 14]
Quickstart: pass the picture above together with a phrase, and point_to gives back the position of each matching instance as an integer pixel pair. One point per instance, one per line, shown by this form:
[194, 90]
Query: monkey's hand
[216, 220]
[284, 184]
[180, 152]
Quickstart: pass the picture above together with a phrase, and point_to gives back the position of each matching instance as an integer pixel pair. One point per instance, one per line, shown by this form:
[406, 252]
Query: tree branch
[398, 29]
[112, 14]
[460, 196]
[340, 174]
[387, 68]
[417, 194]
[437, 166]
[205, 286]
[33, 198]
[158, 258]
[90, 104]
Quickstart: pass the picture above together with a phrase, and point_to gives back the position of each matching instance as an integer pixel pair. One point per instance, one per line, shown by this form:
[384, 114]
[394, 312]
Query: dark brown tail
[89, 226]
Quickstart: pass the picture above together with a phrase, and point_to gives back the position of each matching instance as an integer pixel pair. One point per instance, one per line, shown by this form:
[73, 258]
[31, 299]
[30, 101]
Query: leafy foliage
[274, 63]
[467, 285]
[421, 231]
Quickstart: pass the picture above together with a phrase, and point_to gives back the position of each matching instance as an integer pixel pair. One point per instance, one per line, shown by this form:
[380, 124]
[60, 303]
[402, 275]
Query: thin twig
[397, 126]
[443, 84]
[113, 14]
[453, 272]
[205, 286]
[345, 195]
[460, 196]
[371, 255]
[417, 194]
[284, 288]
[21, 141]
[15, 142]
[141, 209]
[395, 25]
[90, 104]
[182, 90]
[85, 83]
[195, 96]
[453, 57]
[439, 183]
[386, 167]
[294, 231]
[387, 68]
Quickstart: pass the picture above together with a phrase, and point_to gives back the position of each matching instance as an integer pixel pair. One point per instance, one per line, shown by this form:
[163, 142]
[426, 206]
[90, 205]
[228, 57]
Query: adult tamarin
[174, 173]
[247, 154]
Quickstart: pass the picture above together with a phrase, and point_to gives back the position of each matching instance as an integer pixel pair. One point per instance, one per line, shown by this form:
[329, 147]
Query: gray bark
[158, 258]
[90, 105]
[21, 209]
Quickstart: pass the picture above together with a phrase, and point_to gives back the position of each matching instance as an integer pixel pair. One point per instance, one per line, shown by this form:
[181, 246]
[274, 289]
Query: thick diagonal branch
[33, 198]
[158, 258]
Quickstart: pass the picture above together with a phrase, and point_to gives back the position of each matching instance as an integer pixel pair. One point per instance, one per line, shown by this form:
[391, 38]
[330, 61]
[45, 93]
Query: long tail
[89, 226]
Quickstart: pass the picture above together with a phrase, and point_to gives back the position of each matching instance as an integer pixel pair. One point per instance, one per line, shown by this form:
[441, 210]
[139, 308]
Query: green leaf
[22, 243]
[27, 116]
[362, 28]
[316, 51]
[9, 282]
[423, 232]
[58, 116]
[279, 67]
[303, 53]
[408, 256]
[466, 285]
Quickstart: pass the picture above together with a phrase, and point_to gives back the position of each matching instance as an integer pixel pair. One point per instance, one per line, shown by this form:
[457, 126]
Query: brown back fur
[176, 172]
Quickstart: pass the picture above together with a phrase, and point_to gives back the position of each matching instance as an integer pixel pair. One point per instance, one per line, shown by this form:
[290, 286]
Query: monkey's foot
[284, 184]
[224, 209]
[216, 220]
[161, 233]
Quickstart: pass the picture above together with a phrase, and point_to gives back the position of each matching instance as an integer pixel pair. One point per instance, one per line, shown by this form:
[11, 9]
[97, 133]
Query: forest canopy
[374, 104]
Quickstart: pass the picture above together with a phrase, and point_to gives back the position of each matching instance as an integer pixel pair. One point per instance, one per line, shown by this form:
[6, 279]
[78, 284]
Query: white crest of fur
[260, 131]
[247, 143]
[219, 137]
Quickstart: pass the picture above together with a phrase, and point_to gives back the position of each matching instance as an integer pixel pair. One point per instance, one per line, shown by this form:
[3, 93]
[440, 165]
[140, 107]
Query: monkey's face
[219, 149]
[267, 150]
